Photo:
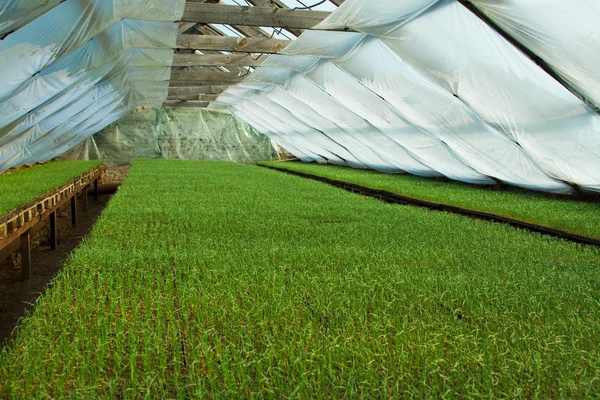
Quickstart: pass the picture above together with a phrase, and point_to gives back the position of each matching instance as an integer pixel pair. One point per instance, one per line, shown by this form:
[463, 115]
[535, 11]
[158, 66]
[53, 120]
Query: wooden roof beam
[196, 90]
[199, 78]
[216, 60]
[189, 104]
[275, 4]
[252, 16]
[232, 44]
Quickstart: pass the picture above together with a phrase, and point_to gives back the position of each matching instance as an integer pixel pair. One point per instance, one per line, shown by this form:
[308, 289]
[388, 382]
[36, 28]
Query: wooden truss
[207, 61]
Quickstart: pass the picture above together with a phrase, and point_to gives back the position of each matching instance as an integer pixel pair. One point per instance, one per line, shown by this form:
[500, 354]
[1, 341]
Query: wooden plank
[49, 202]
[192, 92]
[26, 255]
[207, 97]
[195, 97]
[84, 193]
[252, 16]
[53, 232]
[74, 210]
[337, 2]
[188, 104]
[275, 4]
[232, 44]
[217, 60]
[196, 90]
[206, 76]
[184, 26]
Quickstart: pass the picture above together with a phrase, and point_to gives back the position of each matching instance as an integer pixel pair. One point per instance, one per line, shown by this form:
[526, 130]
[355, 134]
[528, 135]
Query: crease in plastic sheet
[425, 148]
[432, 109]
[317, 142]
[364, 133]
[67, 27]
[293, 128]
[88, 62]
[374, 17]
[264, 128]
[507, 91]
[16, 13]
[309, 141]
[347, 147]
[99, 98]
[82, 46]
[256, 116]
[565, 34]
[42, 136]
[481, 109]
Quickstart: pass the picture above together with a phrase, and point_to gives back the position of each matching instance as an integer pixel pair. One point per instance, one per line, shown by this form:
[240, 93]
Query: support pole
[53, 233]
[26, 255]
[84, 193]
[96, 193]
[74, 210]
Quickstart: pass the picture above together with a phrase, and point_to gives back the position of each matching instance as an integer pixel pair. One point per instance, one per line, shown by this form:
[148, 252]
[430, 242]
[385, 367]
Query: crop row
[208, 279]
[22, 186]
[578, 217]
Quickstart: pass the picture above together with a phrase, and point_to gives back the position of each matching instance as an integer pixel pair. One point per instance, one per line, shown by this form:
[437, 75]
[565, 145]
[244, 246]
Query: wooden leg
[74, 210]
[53, 235]
[26, 255]
[84, 193]
[96, 193]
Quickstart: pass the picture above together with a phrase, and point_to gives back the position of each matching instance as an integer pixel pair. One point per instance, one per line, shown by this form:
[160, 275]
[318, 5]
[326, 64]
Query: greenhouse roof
[478, 91]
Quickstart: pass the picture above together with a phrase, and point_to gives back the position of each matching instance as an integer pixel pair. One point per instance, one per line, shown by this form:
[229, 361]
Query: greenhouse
[299, 199]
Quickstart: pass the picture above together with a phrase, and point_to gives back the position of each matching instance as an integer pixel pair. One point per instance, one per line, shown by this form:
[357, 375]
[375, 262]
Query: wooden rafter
[216, 60]
[231, 44]
[205, 76]
[252, 16]
[195, 90]
[192, 104]
[276, 4]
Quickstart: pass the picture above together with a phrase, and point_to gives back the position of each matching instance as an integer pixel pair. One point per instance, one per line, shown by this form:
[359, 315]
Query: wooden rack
[18, 223]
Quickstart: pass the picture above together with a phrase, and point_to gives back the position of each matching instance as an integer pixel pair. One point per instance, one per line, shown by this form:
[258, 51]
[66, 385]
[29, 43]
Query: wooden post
[26, 255]
[74, 210]
[84, 193]
[96, 193]
[53, 233]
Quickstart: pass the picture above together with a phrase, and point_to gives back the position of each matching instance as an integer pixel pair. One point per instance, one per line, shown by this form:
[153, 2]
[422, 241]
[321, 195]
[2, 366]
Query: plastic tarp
[428, 88]
[84, 63]
[176, 133]
[15, 14]
[564, 34]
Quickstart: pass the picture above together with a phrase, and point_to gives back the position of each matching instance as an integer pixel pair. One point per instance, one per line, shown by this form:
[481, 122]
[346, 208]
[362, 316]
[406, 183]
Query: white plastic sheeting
[428, 88]
[564, 34]
[77, 68]
[188, 133]
[15, 14]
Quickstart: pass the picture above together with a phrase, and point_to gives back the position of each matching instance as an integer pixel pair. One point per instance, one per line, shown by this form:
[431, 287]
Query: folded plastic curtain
[564, 34]
[14, 14]
[429, 82]
[55, 64]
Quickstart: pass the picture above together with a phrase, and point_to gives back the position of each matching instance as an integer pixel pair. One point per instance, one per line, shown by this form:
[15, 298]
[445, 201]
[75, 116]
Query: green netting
[176, 133]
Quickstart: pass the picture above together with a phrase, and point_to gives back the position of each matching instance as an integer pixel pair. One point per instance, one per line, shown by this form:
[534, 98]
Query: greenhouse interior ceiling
[477, 91]
[299, 199]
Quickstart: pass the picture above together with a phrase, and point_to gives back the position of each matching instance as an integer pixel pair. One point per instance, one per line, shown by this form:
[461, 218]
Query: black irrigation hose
[394, 198]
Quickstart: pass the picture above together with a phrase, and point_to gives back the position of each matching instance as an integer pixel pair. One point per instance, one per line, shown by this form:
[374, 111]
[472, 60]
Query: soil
[17, 297]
